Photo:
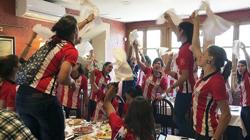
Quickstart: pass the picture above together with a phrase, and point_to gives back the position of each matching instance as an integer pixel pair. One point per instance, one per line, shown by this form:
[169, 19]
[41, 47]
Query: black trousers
[245, 116]
[91, 109]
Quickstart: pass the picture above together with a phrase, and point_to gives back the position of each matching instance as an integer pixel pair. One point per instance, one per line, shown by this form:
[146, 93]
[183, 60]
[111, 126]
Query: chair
[163, 114]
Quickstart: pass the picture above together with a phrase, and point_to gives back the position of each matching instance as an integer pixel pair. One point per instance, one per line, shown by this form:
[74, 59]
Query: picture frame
[7, 45]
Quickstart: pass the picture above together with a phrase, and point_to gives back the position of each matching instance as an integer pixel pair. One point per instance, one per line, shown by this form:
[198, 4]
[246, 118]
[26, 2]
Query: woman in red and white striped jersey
[70, 98]
[98, 80]
[210, 91]
[154, 80]
[36, 103]
[243, 76]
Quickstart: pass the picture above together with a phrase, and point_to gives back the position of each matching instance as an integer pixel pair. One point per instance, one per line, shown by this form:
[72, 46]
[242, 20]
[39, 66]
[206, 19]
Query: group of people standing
[60, 82]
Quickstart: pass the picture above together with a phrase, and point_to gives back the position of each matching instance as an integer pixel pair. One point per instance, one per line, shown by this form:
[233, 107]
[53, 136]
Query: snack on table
[74, 121]
[104, 135]
[85, 137]
[83, 129]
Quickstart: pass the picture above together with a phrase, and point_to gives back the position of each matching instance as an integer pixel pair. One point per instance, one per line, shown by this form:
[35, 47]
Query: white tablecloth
[172, 137]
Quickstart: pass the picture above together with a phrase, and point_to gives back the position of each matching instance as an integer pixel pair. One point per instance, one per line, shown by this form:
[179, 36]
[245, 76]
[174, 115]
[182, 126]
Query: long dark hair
[220, 57]
[139, 119]
[7, 65]
[134, 92]
[158, 60]
[187, 28]
[239, 76]
[65, 28]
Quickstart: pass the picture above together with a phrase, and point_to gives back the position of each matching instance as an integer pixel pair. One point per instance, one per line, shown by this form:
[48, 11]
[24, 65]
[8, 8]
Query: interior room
[121, 50]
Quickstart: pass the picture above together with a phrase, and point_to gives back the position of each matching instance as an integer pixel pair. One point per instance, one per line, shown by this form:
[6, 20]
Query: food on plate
[105, 127]
[74, 121]
[83, 129]
[104, 134]
[85, 137]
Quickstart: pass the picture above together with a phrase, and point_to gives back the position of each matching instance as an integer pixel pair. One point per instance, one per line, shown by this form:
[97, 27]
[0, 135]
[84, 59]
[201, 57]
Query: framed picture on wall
[7, 45]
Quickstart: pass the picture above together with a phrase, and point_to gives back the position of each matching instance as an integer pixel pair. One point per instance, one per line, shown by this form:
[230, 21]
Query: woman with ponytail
[36, 102]
[210, 91]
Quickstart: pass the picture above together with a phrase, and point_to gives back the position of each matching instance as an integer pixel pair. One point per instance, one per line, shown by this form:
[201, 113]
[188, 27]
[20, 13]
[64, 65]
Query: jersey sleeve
[164, 83]
[185, 58]
[71, 55]
[218, 89]
[115, 122]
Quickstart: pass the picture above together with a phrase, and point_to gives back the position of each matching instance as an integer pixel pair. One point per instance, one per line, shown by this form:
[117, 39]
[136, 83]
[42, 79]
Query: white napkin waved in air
[133, 35]
[121, 67]
[42, 31]
[213, 25]
[84, 47]
[176, 19]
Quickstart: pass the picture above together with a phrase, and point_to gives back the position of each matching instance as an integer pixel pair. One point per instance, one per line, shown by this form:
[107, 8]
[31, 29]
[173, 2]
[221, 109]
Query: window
[175, 43]
[225, 39]
[244, 34]
[153, 43]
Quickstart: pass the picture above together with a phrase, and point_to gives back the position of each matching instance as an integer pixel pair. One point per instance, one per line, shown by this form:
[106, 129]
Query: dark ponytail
[219, 58]
[65, 27]
[227, 70]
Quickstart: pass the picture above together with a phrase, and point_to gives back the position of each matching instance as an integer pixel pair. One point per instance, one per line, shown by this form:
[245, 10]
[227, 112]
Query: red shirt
[101, 81]
[116, 123]
[152, 85]
[71, 98]
[8, 91]
[51, 66]
[245, 89]
[185, 61]
[206, 93]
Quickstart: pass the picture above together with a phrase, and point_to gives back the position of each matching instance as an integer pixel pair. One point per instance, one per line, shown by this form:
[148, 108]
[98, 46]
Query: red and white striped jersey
[71, 98]
[206, 93]
[45, 77]
[152, 85]
[101, 81]
[245, 89]
[185, 61]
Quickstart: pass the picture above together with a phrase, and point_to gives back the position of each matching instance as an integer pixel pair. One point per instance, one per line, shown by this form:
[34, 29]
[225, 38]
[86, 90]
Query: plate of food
[104, 135]
[74, 121]
[83, 130]
[85, 137]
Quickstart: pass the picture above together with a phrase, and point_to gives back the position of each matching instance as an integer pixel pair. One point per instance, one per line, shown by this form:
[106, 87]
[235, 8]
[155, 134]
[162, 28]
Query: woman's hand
[195, 18]
[90, 18]
[135, 45]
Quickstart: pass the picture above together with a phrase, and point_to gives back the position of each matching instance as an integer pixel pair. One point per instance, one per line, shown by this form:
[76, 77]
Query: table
[97, 132]
[172, 137]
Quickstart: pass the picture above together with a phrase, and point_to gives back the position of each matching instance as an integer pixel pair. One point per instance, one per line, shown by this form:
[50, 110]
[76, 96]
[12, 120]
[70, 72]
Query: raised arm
[28, 46]
[110, 93]
[196, 48]
[246, 56]
[129, 53]
[94, 87]
[142, 65]
[167, 59]
[90, 18]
